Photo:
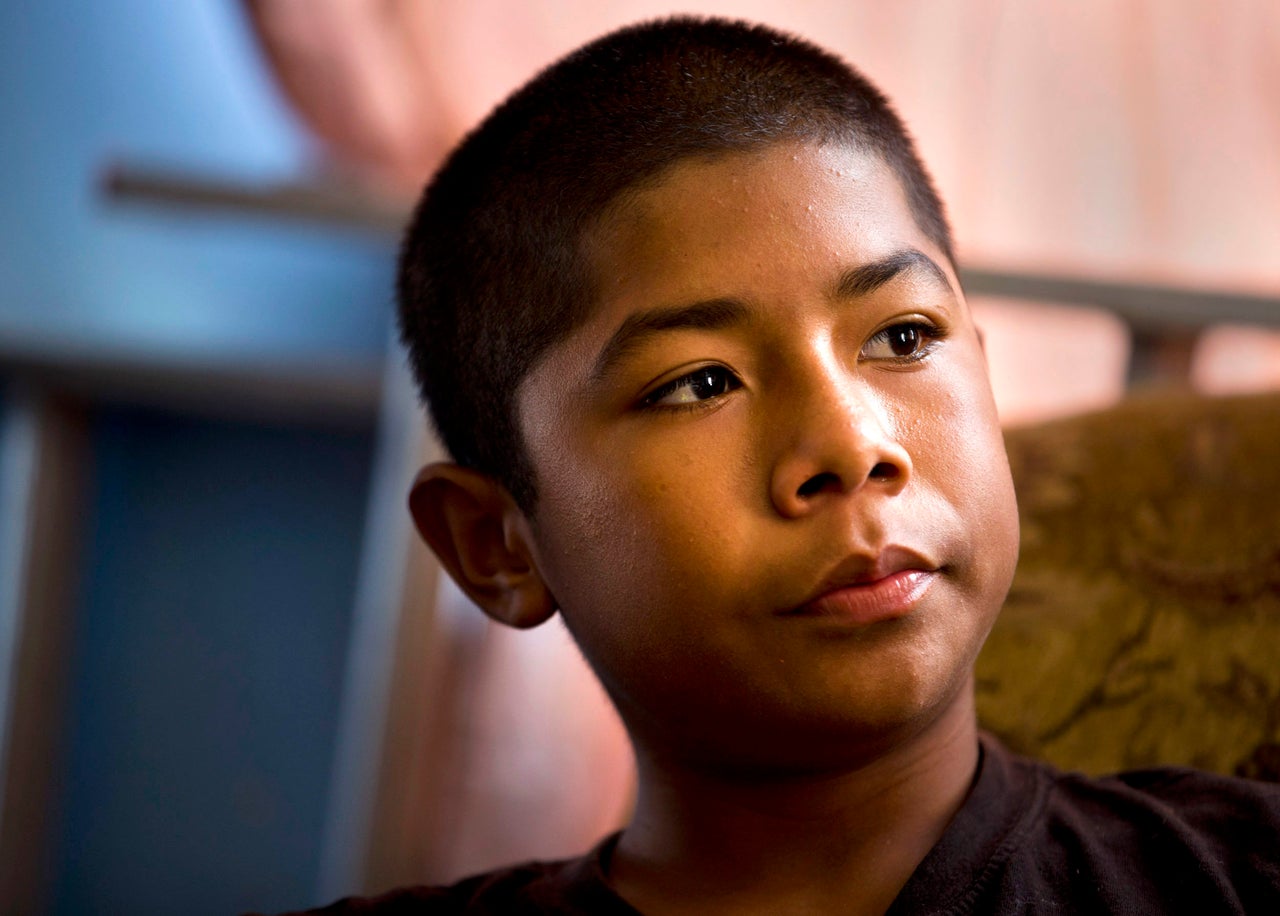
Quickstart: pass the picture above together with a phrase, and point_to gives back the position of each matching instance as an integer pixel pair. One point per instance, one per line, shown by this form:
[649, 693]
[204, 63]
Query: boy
[686, 314]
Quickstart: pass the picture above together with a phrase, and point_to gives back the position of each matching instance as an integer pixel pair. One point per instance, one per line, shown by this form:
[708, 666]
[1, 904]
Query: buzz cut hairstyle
[492, 269]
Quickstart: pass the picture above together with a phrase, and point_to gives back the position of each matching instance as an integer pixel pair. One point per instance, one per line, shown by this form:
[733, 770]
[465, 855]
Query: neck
[843, 841]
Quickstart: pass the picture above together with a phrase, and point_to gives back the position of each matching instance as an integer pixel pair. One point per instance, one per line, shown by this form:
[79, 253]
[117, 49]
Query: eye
[902, 343]
[702, 384]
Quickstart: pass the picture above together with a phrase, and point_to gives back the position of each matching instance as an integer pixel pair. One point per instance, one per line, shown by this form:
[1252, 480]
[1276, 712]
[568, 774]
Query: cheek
[620, 525]
[620, 572]
[958, 450]
[647, 530]
[691, 536]
[954, 422]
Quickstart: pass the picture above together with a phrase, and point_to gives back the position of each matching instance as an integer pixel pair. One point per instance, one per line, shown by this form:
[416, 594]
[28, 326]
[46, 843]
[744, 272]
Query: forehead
[772, 230]
[757, 226]
[772, 173]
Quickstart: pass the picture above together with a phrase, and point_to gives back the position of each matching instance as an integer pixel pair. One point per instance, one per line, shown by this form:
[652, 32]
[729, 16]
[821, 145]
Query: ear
[483, 541]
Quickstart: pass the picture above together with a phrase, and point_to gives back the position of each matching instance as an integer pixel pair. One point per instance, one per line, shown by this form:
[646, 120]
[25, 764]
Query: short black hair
[491, 269]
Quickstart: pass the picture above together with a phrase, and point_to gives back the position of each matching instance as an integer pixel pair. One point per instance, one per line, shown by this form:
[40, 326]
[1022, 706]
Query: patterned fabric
[1143, 626]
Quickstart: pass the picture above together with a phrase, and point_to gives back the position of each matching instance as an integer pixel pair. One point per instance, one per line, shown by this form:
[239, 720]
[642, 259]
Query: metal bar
[48, 460]
[339, 393]
[314, 201]
[1143, 306]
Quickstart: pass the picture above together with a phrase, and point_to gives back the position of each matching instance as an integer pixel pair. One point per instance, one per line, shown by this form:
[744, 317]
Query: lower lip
[884, 599]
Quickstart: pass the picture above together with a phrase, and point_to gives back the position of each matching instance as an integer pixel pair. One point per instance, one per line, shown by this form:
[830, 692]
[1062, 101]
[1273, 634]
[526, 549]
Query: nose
[836, 440]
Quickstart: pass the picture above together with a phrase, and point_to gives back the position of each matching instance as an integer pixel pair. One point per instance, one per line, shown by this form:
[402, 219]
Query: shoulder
[1175, 835]
[1171, 805]
[570, 886]
[1032, 839]
[506, 890]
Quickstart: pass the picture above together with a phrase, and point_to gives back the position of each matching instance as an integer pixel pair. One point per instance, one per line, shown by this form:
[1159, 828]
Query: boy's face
[780, 396]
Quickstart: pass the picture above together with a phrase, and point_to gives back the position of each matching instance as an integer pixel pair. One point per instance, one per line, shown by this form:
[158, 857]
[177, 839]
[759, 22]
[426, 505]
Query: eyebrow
[867, 278]
[708, 315]
[715, 314]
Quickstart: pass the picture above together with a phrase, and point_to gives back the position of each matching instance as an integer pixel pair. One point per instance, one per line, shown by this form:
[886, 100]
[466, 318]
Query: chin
[835, 733]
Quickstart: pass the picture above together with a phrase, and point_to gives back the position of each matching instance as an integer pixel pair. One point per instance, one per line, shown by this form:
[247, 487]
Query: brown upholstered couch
[1143, 626]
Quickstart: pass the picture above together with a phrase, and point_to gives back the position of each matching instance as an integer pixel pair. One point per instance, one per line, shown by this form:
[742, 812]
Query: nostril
[828, 481]
[817, 483]
[884, 471]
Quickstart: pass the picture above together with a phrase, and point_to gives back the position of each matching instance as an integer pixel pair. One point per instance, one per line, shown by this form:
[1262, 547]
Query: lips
[870, 589]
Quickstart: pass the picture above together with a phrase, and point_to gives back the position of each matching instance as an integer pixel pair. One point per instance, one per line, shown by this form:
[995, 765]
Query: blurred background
[229, 678]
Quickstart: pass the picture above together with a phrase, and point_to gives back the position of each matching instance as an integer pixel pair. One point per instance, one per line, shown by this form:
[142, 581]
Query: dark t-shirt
[1027, 840]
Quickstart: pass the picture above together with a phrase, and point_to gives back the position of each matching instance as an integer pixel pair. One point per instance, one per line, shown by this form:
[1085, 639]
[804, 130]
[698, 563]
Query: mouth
[865, 590]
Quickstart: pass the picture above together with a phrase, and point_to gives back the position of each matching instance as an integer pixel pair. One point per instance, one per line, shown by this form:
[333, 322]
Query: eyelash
[726, 376]
[929, 335]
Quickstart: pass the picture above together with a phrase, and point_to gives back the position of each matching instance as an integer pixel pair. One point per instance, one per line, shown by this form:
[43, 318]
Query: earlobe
[480, 536]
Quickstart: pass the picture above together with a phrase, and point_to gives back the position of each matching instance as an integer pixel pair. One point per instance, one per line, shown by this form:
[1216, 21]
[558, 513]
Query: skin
[781, 426]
